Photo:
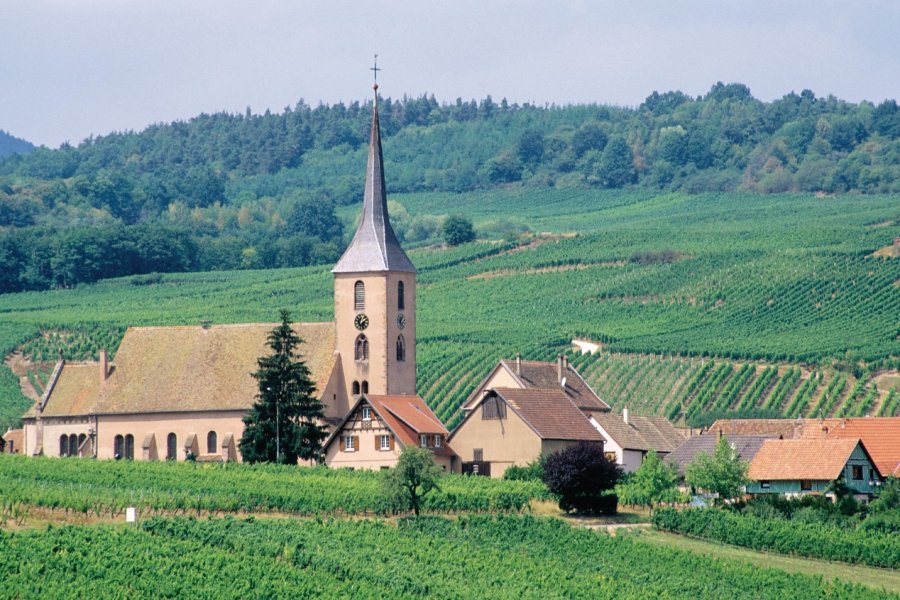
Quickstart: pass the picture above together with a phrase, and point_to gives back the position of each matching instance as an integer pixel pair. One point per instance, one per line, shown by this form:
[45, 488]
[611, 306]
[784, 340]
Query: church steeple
[375, 296]
[374, 246]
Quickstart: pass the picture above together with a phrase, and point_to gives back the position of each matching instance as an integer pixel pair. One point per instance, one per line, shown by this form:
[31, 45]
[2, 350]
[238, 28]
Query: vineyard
[703, 305]
[471, 557]
[105, 488]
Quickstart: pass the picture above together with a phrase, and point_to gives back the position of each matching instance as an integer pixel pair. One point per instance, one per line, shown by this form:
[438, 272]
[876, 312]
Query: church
[174, 393]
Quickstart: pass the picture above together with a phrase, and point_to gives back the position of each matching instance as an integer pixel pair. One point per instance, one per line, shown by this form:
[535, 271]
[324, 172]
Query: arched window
[171, 447]
[356, 388]
[365, 387]
[211, 442]
[119, 447]
[401, 301]
[81, 439]
[73, 445]
[401, 349]
[359, 296]
[63, 445]
[362, 348]
[129, 447]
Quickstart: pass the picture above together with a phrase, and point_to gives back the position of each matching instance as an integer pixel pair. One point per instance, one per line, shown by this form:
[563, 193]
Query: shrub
[533, 471]
[579, 475]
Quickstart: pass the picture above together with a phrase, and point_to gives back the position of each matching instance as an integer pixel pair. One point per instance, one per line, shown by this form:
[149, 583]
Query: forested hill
[260, 190]
[12, 145]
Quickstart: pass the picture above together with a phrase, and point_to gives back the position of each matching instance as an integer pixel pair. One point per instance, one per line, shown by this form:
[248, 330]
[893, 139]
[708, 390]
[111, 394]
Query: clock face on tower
[361, 321]
[401, 320]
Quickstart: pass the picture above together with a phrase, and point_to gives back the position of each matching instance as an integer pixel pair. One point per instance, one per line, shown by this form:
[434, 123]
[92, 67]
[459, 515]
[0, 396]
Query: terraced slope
[719, 280]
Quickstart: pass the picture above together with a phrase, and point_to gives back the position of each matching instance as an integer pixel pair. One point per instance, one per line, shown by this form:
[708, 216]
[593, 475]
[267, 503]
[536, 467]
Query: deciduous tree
[722, 472]
[414, 476]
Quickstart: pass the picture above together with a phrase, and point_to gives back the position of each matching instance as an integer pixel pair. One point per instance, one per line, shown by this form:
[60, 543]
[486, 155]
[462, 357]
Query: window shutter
[343, 443]
[356, 442]
[392, 441]
[377, 442]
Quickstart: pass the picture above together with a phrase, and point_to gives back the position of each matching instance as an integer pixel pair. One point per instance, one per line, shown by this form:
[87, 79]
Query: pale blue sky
[72, 68]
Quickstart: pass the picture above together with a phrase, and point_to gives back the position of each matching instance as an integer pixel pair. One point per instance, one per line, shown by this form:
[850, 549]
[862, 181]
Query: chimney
[625, 415]
[559, 368]
[104, 366]
[518, 364]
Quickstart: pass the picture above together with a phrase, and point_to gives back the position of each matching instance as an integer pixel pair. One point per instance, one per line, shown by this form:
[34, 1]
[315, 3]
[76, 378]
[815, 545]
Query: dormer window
[367, 413]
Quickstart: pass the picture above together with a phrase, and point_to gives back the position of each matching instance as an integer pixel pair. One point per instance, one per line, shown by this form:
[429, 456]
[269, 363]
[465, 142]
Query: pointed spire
[374, 246]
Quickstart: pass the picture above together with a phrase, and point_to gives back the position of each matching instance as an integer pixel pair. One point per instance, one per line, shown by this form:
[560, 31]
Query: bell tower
[375, 294]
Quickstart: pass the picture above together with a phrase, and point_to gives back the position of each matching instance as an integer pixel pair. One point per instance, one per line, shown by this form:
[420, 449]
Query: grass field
[879, 579]
[660, 280]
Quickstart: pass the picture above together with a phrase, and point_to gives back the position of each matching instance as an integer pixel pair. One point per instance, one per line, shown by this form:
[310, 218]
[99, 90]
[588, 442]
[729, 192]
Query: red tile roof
[406, 417]
[815, 459]
[550, 413]
[881, 436]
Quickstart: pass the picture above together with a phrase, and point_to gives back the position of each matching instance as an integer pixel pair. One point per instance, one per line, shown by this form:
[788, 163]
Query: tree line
[240, 186]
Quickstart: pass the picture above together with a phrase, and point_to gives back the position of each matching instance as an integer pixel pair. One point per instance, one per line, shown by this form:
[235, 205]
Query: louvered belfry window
[401, 301]
[359, 296]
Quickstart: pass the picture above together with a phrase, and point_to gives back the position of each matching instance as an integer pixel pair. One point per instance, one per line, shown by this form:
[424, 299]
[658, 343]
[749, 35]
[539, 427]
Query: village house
[881, 435]
[514, 426]
[524, 409]
[12, 441]
[181, 392]
[809, 466]
[378, 428]
[628, 438]
[745, 448]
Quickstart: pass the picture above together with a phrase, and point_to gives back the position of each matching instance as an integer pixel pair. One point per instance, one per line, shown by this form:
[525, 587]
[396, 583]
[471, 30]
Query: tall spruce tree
[286, 413]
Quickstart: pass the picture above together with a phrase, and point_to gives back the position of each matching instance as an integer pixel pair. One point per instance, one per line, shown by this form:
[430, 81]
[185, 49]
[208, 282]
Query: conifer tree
[284, 424]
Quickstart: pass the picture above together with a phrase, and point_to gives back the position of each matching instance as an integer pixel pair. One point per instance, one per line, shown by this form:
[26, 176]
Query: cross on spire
[375, 70]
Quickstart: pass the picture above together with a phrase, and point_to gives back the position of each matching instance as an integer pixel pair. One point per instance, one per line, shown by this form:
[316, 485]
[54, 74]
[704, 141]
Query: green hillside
[250, 191]
[9, 144]
[669, 284]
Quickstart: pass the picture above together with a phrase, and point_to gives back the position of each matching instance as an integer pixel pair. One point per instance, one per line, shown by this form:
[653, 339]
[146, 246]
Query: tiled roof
[374, 246]
[534, 374]
[75, 391]
[641, 433]
[412, 410]
[163, 369]
[405, 416]
[745, 446]
[815, 459]
[784, 428]
[17, 437]
[881, 436]
[544, 375]
[550, 413]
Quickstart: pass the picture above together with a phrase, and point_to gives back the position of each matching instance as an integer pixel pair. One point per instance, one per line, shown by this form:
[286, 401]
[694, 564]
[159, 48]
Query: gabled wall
[504, 442]
[368, 453]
